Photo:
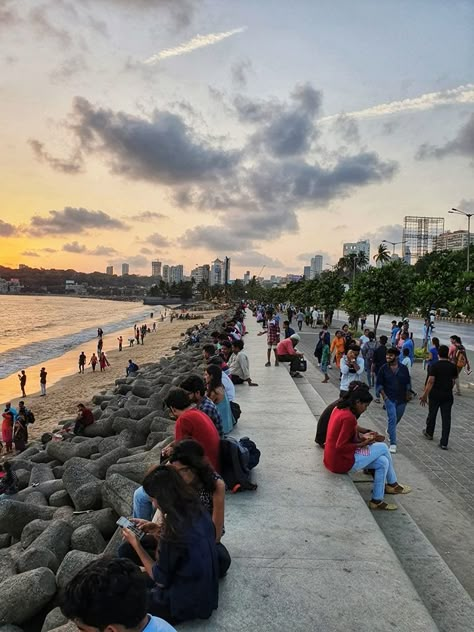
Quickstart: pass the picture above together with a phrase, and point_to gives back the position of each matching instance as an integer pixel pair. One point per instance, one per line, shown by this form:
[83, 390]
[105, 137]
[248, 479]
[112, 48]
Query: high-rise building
[354, 247]
[247, 277]
[456, 240]
[226, 270]
[166, 273]
[156, 268]
[109, 270]
[200, 274]
[419, 235]
[307, 272]
[125, 269]
[316, 266]
[176, 274]
[217, 272]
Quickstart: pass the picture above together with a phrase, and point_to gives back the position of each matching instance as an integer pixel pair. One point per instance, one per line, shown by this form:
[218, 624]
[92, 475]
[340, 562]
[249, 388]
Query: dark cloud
[30, 253]
[6, 229]
[466, 205]
[181, 12]
[72, 221]
[146, 251]
[155, 239]
[71, 165]
[346, 127]
[74, 247]
[461, 145]
[48, 250]
[8, 14]
[390, 232]
[102, 251]
[148, 216]
[239, 72]
[161, 149]
[286, 129]
[137, 261]
[69, 68]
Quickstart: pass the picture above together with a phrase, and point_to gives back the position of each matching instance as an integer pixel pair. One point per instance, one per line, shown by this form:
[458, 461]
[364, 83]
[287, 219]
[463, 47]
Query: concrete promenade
[307, 553]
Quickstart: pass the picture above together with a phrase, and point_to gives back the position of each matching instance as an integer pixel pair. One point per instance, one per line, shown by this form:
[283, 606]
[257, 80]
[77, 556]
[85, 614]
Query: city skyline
[267, 153]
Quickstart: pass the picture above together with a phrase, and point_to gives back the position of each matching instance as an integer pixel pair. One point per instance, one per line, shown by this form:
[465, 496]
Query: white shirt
[407, 362]
[346, 377]
[228, 384]
[363, 339]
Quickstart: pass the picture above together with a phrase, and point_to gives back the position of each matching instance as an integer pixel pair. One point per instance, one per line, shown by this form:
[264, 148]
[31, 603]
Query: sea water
[34, 329]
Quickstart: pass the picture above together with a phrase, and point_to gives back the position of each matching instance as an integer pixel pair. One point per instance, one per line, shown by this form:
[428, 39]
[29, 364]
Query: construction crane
[261, 270]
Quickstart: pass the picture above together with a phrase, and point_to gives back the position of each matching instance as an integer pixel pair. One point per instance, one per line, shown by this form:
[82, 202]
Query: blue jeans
[395, 412]
[142, 507]
[379, 460]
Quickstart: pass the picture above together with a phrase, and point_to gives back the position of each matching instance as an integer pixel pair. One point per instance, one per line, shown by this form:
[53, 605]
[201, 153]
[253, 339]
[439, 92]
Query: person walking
[439, 395]
[458, 356]
[93, 362]
[325, 358]
[368, 350]
[378, 361]
[433, 356]
[324, 338]
[338, 347]
[352, 367]
[82, 362]
[22, 378]
[393, 381]
[103, 362]
[273, 337]
[43, 375]
[300, 319]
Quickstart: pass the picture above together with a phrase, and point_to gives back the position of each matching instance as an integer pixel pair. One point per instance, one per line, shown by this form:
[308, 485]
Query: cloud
[48, 250]
[146, 251]
[461, 145]
[72, 221]
[180, 11]
[44, 27]
[74, 247]
[161, 149]
[74, 164]
[6, 229]
[216, 238]
[390, 232]
[346, 127]
[137, 261]
[102, 251]
[157, 240]
[255, 258]
[239, 72]
[8, 15]
[70, 67]
[148, 215]
[286, 129]
[30, 253]
[460, 95]
[200, 41]
[466, 205]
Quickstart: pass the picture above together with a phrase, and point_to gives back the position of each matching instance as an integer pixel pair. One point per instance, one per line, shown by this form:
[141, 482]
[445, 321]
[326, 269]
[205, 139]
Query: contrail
[461, 94]
[200, 41]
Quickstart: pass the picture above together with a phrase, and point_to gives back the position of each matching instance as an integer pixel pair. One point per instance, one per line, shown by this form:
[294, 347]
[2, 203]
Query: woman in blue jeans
[350, 448]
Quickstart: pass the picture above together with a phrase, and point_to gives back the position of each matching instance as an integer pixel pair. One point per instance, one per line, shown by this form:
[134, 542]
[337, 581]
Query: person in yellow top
[337, 346]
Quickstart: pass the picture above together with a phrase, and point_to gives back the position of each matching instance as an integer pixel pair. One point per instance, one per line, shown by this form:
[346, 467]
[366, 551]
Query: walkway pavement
[307, 554]
[443, 505]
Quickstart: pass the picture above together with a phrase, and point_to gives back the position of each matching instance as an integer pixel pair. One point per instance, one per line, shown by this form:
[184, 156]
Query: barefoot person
[43, 375]
[22, 378]
[350, 448]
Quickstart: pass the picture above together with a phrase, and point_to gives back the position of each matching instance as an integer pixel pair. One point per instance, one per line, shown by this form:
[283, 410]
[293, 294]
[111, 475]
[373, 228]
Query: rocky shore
[72, 492]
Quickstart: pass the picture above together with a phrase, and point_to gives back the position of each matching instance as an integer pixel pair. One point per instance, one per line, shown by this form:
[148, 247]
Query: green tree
[382, 255]
[329, 293]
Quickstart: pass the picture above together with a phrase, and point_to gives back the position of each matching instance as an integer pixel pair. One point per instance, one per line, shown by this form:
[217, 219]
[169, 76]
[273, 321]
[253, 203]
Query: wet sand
[69, 390]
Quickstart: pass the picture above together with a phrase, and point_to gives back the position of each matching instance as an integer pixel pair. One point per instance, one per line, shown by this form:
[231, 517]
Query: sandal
[382, 506]
[397, 489]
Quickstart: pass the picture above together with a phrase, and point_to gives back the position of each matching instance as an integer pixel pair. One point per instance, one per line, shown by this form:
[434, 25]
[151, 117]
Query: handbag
[302, 365]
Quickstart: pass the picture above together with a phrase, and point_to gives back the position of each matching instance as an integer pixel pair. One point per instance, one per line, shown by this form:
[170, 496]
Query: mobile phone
[125, 523]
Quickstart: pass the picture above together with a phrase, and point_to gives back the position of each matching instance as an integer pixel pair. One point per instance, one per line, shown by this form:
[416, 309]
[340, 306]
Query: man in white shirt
[239, 365]
[352, 367]
[111, 594]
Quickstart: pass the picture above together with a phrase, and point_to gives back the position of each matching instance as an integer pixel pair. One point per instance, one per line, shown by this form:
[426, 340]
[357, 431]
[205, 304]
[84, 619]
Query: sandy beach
[70, 389]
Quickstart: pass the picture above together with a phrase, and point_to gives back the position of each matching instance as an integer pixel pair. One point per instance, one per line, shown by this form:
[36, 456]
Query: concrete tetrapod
[25, 595]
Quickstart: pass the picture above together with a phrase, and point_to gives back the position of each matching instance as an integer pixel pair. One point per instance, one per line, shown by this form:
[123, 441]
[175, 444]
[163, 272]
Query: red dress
[7, 428]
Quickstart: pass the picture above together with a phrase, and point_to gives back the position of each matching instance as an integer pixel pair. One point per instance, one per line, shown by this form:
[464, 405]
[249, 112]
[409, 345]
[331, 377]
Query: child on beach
[325, 355]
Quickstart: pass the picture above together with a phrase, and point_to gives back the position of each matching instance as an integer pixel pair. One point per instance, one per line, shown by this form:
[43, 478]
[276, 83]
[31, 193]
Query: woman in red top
[350, 448]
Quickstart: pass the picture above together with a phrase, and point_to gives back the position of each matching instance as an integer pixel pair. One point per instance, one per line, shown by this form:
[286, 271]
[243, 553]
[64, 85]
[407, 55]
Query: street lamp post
[468, 215]
[394, 243]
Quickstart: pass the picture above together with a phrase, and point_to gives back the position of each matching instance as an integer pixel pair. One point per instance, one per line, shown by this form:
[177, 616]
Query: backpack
[369, 351]
[254, 452]
[235, 468]
[461, 359]
[30, 418]
[236, 411]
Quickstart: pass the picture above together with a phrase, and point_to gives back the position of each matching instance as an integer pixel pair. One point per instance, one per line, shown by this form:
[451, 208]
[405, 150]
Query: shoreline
[70, 389]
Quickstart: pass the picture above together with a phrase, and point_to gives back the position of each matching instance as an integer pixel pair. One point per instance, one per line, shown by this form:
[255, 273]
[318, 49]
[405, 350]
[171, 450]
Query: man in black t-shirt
[439, 388]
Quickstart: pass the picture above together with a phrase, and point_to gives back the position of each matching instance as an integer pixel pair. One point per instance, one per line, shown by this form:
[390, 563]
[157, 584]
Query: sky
[185, 130]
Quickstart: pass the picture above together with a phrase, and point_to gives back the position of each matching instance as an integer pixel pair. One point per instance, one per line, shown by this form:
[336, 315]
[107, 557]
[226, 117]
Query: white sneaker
[393, 448]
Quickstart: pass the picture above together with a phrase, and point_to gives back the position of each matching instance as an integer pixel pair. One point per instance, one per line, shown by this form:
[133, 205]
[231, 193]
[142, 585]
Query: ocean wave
[28, 355]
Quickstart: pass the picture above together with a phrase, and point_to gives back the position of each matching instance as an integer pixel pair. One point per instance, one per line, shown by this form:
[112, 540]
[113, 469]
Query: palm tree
[383, 255]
